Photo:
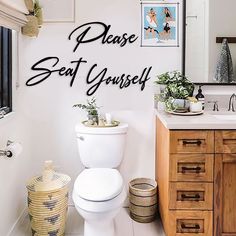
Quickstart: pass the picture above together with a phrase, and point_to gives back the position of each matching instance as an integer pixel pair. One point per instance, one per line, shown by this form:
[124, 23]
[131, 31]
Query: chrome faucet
[215, 106]
[231, 102]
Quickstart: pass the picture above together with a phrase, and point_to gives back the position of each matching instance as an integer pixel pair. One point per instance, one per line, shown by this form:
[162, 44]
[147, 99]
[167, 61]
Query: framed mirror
[206, 24]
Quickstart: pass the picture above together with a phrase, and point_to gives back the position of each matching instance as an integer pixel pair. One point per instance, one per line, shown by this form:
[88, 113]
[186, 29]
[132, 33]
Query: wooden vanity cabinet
[225, 184]
[196, 175]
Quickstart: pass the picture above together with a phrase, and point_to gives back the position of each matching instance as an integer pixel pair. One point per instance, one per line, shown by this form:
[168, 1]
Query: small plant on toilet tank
[92, 110]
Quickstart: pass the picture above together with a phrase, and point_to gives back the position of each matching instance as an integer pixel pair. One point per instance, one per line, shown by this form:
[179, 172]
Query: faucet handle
[215, 105]
[231, 102]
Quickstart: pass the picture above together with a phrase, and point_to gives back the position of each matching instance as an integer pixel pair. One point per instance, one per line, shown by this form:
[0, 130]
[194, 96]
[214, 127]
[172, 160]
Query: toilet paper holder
[6, 153]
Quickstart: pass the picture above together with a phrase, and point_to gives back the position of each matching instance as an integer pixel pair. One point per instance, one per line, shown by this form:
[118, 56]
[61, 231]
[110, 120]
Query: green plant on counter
[174, 86]
[166, 78]
[91, 107]
[170, 105]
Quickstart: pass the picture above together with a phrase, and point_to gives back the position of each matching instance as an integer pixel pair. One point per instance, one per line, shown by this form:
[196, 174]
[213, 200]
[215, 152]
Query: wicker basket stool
[143, 199]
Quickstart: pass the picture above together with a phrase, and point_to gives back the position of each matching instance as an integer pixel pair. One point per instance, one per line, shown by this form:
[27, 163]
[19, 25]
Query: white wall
[49, 105]
[18, 5]
[14, 172]
[44, 120]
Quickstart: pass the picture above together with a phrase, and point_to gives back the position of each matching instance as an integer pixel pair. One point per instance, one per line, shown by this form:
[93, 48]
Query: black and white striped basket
[143, 200]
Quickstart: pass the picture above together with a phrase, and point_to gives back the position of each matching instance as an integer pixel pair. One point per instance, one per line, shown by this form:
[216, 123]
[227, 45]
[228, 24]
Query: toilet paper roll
[14, 149]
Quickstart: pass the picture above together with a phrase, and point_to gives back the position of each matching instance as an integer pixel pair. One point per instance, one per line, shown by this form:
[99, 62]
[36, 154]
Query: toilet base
[99, 229]
[99, 216]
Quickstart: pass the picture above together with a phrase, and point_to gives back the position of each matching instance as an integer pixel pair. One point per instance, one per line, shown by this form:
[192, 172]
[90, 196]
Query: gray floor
[125, 226]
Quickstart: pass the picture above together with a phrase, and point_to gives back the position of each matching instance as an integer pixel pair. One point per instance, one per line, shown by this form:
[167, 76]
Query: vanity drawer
[225, 141]
[191, 196]
[191, 167]
[193, 141]
[190, 223]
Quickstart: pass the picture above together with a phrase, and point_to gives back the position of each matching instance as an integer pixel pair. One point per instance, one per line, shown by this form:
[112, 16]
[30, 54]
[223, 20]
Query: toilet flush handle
[81, 138]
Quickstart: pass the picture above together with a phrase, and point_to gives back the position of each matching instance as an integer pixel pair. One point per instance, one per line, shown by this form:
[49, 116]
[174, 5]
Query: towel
[224, 70]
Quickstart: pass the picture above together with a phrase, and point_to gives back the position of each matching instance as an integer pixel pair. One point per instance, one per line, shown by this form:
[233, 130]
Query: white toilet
[99, 191]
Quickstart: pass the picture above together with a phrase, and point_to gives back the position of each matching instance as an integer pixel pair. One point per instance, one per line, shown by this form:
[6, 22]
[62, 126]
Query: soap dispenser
[200, 97]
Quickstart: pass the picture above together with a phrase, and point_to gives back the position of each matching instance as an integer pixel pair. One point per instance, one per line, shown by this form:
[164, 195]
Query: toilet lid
[98, 184]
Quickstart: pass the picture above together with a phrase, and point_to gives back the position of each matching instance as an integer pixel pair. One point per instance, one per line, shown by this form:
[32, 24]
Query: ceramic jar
[195, 106]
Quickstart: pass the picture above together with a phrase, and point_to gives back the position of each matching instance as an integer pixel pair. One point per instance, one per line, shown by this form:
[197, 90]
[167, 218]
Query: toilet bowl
[98, 196]
[99, 190]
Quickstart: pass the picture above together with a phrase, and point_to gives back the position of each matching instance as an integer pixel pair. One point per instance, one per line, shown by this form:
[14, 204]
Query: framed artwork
[160, 24]
[58, 10]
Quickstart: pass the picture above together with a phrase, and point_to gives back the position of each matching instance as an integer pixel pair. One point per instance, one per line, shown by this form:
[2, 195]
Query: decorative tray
[114, 123]
[186, 113]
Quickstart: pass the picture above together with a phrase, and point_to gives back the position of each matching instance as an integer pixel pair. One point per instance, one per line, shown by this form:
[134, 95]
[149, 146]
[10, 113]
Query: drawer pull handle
[197, 142]
[184, 226]
[195, 196]
[197, 169]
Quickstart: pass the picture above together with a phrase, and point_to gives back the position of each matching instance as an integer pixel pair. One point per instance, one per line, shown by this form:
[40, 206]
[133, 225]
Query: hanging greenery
[35, 18]
[38, 12]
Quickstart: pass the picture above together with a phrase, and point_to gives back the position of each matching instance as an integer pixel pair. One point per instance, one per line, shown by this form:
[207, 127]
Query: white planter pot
[181, 103]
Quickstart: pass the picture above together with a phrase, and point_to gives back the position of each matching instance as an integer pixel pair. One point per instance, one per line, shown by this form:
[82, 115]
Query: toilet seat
[99, 207]
[98, 184]
[99, 190]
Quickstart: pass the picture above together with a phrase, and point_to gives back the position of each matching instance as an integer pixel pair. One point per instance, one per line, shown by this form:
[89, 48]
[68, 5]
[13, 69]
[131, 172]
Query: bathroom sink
[227, 117]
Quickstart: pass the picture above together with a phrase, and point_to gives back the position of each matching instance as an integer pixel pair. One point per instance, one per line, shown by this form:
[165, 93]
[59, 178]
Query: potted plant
[174, 90]
[35, 18]
[38, 12]
[91, 109]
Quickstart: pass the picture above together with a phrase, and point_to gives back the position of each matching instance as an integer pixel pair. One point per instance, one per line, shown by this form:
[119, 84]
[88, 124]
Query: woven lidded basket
[48, 202]
[143, 200]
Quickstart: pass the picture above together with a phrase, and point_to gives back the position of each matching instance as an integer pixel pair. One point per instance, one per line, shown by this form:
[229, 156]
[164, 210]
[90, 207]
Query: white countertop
[208, 120]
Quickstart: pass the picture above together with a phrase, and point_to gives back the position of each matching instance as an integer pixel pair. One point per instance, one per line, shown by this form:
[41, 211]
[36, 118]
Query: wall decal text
[49, 66]
[104, 35]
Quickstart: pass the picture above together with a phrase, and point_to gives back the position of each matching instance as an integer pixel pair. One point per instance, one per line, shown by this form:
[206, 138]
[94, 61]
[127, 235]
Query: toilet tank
[101, 147]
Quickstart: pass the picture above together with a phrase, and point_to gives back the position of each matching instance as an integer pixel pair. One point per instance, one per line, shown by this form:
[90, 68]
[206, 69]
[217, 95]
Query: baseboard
[18, 222]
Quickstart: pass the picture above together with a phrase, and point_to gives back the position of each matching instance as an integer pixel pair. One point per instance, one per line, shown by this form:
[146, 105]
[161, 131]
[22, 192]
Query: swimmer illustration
[160, 24]
[151, 18]
[165, 34]
[168, 14]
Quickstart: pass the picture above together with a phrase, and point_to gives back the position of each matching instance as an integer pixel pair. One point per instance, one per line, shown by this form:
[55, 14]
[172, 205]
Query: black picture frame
[184, 53]
[184, 38]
